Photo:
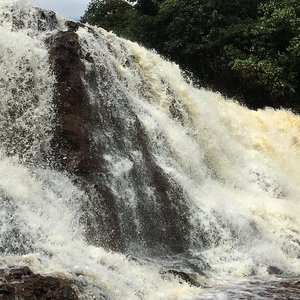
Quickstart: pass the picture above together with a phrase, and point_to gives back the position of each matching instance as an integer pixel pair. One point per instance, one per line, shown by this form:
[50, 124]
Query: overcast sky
[68, 8]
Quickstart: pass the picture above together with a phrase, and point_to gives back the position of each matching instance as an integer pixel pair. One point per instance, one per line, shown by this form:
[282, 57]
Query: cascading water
[188, 180]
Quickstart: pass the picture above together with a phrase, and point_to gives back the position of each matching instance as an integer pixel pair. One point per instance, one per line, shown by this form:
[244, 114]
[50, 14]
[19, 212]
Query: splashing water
[232, 173]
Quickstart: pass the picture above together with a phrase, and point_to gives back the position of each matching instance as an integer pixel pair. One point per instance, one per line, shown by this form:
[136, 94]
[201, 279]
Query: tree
[244, 48]
[270, 60]
[113, 15]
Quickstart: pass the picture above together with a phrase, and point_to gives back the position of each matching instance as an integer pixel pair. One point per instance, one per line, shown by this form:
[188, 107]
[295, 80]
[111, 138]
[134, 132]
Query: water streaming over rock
[106, 146]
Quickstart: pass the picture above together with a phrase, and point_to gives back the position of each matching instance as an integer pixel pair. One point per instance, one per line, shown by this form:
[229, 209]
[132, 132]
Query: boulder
[22, 284]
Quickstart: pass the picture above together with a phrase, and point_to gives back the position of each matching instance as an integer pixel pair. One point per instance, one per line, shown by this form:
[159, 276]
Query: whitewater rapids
[239, 169]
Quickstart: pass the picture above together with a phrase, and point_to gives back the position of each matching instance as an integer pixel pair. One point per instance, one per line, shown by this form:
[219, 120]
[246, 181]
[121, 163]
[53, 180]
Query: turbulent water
[223, 202]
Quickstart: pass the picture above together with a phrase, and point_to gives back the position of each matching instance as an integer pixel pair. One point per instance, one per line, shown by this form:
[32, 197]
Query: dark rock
[73, 147]
[22, 284]
[72, 140]
[46, 20]
[76, 150]
[43, 20]
[274, 270]
[73, 26]
[174, 223]
[189, 278]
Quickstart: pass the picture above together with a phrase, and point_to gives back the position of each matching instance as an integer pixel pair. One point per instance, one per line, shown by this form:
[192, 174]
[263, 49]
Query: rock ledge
[22, 284]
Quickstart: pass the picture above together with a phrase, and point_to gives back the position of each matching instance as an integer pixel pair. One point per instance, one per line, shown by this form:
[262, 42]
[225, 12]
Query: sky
[67, 8]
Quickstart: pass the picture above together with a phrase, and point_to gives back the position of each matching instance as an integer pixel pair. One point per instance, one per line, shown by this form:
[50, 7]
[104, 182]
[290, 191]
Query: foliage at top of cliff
[249, 49]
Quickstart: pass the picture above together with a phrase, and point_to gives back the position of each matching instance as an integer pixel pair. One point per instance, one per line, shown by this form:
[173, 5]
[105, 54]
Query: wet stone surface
[22, 284]
[277, 289]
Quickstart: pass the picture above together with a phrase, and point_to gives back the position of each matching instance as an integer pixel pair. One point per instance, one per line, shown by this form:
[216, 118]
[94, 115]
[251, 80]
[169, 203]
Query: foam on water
[239, 169]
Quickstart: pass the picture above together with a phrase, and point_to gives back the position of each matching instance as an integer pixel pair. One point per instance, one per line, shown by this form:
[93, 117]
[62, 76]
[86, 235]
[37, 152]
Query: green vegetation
[244, 48]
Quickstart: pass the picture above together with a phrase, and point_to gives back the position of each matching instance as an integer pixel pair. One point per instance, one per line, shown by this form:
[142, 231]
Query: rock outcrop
[73, 147]
[72, 140]
[22, 284]
[76, 151]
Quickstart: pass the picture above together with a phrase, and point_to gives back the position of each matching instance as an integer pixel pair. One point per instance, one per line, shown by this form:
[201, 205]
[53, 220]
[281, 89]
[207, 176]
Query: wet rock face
[46, 20]
[43, 20]
[80, 153]
[72, 141]
[274, 270]
[22, 284]
[73, 148]
[189, 278]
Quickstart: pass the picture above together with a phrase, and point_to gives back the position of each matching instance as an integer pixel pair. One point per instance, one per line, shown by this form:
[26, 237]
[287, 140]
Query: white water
[239, 169]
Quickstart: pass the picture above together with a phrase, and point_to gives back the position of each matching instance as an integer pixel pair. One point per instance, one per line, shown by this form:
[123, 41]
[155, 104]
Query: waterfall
[116, 169]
